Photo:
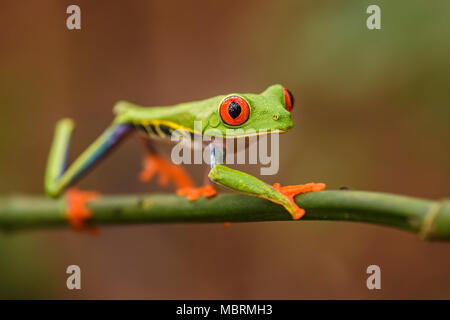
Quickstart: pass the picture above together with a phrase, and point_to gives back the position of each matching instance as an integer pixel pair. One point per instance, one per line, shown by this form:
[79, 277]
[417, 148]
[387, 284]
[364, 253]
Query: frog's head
[243, 114]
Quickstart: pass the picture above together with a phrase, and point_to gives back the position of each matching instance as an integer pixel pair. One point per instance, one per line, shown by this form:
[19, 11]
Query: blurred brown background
[372, 112]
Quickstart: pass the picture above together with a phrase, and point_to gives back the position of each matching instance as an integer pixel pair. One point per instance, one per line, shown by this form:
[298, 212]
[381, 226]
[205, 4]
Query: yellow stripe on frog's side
[173, 125]
[148, 131]
[158, 132]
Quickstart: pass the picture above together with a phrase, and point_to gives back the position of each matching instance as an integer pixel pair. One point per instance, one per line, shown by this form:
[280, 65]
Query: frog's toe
[291, 191]
[76, 208]
[193, 193]
[168, 172]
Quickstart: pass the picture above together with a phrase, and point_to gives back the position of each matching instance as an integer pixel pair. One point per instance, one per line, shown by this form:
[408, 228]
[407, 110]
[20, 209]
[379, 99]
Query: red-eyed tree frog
[269, 111]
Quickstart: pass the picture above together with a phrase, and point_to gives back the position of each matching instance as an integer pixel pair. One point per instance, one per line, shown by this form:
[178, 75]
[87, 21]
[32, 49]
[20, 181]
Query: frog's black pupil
[234, 109]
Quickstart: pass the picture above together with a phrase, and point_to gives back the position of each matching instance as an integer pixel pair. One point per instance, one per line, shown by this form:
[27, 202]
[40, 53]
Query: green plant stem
[429, 219]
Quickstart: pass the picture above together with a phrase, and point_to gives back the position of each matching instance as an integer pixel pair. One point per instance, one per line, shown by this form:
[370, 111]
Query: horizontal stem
[429, 219]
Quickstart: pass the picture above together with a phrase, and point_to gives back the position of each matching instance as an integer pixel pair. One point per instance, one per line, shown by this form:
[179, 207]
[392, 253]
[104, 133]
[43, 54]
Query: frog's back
[161, 122]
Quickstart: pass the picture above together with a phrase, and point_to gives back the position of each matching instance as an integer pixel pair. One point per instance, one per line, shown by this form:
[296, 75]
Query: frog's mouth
[261, 133]
[253, 134]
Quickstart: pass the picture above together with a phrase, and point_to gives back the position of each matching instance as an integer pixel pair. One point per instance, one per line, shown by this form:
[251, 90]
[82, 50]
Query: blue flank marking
[63, 167]
[114, 137]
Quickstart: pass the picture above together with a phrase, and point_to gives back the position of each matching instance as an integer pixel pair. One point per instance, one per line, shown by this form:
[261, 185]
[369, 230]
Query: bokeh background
[372, 113]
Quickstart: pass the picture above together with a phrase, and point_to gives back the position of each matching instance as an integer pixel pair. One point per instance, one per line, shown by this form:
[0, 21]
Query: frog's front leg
[168, 171]
[251, 185]
[207, 190]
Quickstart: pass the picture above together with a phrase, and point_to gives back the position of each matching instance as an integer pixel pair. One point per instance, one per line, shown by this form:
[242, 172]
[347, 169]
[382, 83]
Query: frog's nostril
[276, 117]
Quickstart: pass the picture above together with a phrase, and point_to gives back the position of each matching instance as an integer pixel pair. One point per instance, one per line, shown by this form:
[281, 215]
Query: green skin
[267, 112]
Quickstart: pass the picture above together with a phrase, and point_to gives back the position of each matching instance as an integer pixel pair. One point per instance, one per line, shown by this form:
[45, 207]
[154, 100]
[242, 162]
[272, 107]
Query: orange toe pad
[167, 171]
[195, 193]
[77, 211]
[291, 191]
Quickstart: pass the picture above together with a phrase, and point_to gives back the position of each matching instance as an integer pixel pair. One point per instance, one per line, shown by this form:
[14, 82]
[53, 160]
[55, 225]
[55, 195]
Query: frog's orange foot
[192, 193]
[291, 191]
[77, 211]
[167, 172]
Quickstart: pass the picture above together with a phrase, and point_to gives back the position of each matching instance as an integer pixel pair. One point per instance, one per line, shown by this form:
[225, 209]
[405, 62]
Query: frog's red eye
[234, 110]
[288, 99]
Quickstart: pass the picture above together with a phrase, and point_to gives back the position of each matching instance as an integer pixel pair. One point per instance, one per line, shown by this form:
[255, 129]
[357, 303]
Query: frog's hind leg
[60, 177]
[154, 163]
